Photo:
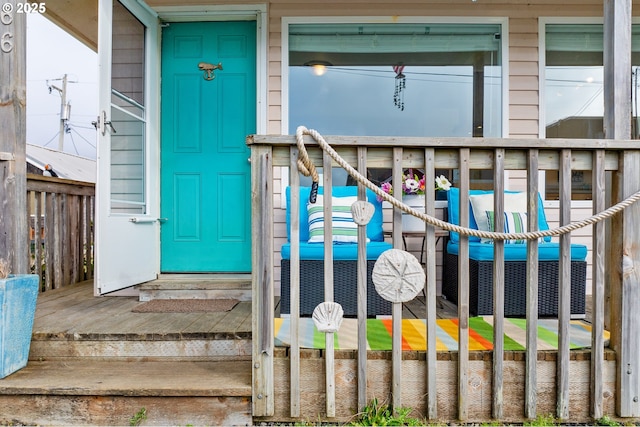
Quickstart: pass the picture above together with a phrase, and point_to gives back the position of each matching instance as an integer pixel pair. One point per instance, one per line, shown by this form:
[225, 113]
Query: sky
[51, 53]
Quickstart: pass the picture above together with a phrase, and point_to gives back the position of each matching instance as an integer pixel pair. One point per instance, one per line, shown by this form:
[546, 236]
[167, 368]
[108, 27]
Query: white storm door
[127, 206]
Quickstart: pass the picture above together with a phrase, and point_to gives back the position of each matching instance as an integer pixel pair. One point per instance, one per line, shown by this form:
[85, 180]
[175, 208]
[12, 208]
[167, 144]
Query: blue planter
[18, 295]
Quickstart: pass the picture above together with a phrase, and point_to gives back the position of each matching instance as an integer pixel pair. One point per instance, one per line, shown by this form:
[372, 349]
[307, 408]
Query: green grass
[139, 417]
[381, 414]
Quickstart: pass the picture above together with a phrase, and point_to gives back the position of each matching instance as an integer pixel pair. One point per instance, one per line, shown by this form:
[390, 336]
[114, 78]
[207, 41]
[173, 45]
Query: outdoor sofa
[345, 254]
[515, 253]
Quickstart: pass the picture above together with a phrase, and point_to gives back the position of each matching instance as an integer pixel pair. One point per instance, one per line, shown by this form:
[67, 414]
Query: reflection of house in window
[577, 127]
[574, 127]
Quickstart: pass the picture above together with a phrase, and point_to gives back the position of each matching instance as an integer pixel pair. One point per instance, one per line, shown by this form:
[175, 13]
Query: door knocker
[208, 69]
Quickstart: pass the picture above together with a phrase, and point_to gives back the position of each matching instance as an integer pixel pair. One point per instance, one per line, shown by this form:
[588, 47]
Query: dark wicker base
[481, 286]
[344, 288]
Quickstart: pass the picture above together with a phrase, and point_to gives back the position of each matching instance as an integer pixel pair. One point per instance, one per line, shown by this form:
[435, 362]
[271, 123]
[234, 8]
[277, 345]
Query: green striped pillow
[514, 222]
[345, 230]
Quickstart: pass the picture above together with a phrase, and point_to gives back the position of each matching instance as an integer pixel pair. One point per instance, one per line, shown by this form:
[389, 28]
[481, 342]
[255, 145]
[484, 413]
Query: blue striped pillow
[514, 222]
[344, 229]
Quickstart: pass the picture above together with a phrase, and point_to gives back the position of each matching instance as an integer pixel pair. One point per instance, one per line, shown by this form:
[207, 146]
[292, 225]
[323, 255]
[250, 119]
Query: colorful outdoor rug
[414, 332]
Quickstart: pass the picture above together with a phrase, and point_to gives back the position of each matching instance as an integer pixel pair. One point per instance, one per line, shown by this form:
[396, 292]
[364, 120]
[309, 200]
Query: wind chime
[401, 84]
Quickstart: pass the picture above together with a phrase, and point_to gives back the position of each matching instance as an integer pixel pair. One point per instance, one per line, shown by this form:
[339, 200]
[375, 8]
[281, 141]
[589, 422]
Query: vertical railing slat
[531, 359]
[564, 288]
[362, 290]
[330, 380]
[396, 311]
[86, 223]
[294, 274]
[463, 290]
[498, 286]
[49, 239]
[597, 289]
[430, 303]
[57, 240]
[30, 224]
[37, 241]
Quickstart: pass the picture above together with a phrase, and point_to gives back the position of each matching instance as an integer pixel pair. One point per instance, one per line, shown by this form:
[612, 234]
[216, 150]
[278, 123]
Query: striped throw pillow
[344, 229]
[514, 222]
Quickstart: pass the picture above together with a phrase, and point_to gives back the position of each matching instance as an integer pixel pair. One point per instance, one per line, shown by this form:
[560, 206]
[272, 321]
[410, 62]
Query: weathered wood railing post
[625, 270]
[262, 280]
[13, 168]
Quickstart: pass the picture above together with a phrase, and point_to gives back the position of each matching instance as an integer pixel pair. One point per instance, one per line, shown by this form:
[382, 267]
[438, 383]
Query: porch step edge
[195, 288]
[203, 348]
[88, 377]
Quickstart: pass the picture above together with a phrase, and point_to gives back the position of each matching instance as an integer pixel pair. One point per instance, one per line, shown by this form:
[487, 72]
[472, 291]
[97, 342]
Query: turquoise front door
[205, 171]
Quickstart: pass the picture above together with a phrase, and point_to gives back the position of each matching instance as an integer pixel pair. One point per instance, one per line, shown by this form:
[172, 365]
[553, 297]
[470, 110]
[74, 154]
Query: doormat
[185, 305]
[414, 334]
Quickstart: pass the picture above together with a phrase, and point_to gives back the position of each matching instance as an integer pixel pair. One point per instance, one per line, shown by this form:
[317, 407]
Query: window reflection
[432, 80]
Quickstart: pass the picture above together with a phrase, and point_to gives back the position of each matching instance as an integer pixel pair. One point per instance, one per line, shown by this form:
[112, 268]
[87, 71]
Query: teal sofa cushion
[547, 251]
[341, 251]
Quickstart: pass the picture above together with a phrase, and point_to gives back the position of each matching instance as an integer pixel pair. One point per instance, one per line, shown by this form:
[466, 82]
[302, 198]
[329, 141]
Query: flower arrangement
[414, 185]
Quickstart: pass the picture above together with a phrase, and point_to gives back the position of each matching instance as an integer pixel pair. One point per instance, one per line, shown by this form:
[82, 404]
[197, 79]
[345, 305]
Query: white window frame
[426, 20]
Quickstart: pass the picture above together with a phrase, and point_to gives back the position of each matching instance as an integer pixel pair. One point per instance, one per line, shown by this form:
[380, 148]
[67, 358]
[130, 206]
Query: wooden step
[73, 323]
[111, 392]
[184, 286]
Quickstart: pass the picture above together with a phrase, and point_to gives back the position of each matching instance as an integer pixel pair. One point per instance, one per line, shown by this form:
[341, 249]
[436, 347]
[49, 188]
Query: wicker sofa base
[344, 288]
[481, 286]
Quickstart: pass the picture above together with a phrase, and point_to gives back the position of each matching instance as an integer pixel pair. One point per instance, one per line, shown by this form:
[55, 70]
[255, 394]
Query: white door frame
[244, 12]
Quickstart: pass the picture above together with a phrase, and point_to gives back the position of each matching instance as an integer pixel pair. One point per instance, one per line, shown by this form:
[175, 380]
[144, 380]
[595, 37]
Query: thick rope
[303, 159]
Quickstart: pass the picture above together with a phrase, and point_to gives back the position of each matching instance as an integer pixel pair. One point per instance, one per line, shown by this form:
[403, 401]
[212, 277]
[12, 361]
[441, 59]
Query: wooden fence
[614, 162]
[61, 230]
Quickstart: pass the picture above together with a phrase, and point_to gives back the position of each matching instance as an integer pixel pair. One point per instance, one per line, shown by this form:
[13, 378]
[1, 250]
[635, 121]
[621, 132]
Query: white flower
[442, 183]
[411, 186]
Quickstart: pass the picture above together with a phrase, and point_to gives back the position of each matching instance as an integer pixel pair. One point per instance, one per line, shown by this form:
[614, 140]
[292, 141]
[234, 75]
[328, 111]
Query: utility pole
[65, 110]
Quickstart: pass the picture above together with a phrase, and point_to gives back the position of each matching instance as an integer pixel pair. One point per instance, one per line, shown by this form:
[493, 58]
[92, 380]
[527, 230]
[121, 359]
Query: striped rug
[414, 333]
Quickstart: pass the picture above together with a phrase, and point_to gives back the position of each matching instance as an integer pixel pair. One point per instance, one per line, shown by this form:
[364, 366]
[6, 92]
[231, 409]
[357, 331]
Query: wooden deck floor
[75, 310]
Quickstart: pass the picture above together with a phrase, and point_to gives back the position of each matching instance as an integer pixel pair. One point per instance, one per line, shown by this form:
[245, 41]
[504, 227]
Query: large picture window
[573, 87]
[396, 79]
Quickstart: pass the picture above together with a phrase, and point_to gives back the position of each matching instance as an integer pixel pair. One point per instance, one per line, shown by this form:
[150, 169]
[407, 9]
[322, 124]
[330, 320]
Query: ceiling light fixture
[319, 67]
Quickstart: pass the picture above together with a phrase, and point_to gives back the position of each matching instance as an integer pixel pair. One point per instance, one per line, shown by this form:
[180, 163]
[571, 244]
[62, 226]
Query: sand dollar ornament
[398, 276]
[327, 316]
[362, 212]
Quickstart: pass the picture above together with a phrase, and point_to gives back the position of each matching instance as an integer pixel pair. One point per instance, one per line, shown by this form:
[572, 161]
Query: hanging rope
[305, 165]
[303, 159]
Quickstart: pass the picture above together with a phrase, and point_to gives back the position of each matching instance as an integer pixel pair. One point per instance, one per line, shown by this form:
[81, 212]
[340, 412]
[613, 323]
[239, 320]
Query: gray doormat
[185, 305]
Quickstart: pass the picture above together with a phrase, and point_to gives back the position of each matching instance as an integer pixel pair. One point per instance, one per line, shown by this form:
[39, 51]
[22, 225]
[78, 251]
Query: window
[574, 99]
[396, 80]
[127, 113]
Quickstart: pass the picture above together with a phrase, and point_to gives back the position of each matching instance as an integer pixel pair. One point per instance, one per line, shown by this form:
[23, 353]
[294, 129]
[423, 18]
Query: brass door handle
[208, 69]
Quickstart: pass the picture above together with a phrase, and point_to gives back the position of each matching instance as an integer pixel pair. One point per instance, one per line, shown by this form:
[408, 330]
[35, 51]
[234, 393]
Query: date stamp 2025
[7, 12]
[9, 8]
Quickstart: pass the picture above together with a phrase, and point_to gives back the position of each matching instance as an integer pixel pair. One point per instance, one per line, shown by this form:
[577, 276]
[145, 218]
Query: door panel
[127, 241]
[205, 173]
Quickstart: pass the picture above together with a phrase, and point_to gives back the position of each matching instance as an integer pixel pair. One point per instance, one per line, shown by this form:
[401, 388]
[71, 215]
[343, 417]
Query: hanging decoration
[401, 83]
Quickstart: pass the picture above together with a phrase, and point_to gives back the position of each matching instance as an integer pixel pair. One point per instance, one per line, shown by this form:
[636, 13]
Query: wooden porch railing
[61, 214]
[613, 263]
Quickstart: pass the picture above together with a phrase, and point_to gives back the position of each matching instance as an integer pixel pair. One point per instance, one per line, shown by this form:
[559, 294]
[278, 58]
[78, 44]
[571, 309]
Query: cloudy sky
[51, 54]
